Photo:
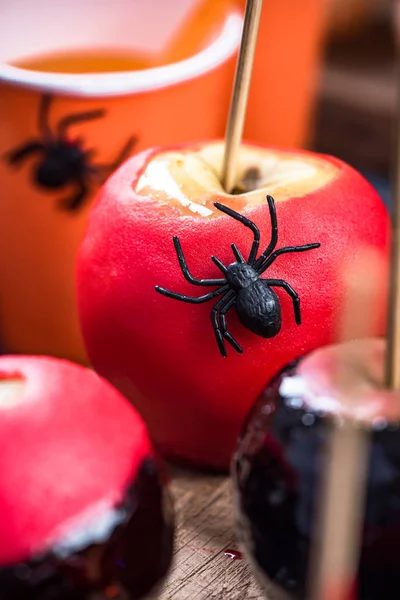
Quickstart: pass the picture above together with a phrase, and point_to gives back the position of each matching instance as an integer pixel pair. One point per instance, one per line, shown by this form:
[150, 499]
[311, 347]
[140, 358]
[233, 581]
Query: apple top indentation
[190, 180]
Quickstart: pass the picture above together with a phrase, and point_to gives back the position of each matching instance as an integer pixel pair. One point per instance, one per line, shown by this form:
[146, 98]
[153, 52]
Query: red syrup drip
[233, 554]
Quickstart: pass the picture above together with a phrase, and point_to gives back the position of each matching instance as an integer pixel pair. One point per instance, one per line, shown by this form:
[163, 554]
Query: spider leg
[185, 268]
[89, 157]
[228, 336]
[78, 118]
[274, 233]
[191, 299]
[261, 268]
[14, 157]
[237, 253]
[219, 264]
[124, 153]
[292, 293]
[221, 333]
[43, 120]
[75, 201]
[247, 223]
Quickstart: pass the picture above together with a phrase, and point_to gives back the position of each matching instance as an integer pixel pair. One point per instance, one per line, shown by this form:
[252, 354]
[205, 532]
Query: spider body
[259, 310]
[257, 305]
[61, 163]
[64, 161]
[240, 276]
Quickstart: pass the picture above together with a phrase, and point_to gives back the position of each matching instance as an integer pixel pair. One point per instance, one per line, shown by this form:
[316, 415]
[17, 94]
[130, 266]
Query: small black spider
[65, 160]
[257, 305]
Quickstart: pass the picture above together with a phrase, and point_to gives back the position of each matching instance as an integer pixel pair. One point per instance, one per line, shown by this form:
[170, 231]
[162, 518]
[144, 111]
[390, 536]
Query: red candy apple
[162, 353]
[81, 499]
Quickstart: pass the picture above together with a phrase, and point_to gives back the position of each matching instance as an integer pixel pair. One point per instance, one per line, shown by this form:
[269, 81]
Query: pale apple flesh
[190, 180]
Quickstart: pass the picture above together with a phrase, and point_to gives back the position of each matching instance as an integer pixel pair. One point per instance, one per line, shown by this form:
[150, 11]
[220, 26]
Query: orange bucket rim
[132, 82]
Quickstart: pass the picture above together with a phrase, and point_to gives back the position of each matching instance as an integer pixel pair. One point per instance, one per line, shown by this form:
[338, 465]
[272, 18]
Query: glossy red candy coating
[70, 445]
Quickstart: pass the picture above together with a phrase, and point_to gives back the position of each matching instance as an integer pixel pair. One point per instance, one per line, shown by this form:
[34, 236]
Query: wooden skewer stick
[393, 321]
[336, 557]
[240, 93]
[335, 554]
[342, 515]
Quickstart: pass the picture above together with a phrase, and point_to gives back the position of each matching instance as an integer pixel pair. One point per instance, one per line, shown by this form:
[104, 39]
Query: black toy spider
[64, 160]
[257, 305]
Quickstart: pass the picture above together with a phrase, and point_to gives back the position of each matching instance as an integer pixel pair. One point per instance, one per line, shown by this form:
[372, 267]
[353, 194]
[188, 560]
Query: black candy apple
[281, 456]
[83, 510]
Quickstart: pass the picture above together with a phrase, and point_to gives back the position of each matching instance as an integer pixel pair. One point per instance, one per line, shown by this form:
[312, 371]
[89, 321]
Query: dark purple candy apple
[282, 454]
[84, 514]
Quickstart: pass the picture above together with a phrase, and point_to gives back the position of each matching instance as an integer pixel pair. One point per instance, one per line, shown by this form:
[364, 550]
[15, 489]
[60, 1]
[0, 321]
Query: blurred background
[356, 104]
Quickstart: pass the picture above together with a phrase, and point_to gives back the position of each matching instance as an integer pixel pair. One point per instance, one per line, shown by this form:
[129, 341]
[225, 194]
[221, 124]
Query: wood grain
[205, 529]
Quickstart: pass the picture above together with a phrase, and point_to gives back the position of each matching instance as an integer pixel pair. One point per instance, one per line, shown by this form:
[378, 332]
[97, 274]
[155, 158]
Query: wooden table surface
[205, 530]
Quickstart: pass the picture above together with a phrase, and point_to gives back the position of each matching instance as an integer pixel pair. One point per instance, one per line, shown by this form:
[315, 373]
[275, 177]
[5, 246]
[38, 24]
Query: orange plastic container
[285, 77]
[162, 104]
[287, 63]
[172, 98]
